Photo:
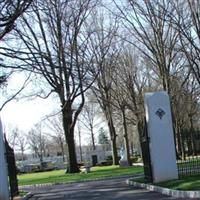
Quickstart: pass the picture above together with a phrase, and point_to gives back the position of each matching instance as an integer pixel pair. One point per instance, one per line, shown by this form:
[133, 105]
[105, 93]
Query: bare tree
[129, 84]
[22, 144]
[9, 94]
[17, 140]
[55, 130]
[104, 97]
[119, 99]
[9, 12]
[12, 137]
[186, 119]
[153, 35]
[151, 23]
[186, 21]
[79, 141]
[106, 54]
[88, 118]
[37, 142]
[54, 45]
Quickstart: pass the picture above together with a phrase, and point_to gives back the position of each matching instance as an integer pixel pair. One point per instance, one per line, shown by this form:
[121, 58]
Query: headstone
[160, 132]
[4, 191]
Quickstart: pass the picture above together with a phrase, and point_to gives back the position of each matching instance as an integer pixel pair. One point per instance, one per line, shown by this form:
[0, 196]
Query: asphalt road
[105, 190]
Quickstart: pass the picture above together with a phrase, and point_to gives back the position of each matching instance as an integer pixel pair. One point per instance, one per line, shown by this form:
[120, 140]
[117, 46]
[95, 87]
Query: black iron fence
[188, 152]
[144, 141]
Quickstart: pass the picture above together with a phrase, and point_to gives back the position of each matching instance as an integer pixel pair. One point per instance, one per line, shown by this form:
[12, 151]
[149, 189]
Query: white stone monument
[4, 191]
[123, 162]
[160, 132]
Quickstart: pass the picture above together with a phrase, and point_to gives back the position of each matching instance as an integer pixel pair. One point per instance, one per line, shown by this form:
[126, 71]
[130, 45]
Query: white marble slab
[160, 130]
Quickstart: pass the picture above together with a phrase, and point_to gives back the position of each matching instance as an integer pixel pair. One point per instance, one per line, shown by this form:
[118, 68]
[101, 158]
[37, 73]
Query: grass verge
[59, 176]
[184, 183]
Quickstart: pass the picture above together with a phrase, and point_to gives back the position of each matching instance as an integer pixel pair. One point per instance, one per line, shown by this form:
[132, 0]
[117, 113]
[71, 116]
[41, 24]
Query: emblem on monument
[160, 113]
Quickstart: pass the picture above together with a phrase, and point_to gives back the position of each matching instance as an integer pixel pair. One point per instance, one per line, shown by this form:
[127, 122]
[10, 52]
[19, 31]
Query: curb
[27, 196]
[165, 191]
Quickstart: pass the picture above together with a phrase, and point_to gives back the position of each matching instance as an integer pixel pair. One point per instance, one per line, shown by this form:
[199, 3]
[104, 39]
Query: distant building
[89, 156]
[93, 157]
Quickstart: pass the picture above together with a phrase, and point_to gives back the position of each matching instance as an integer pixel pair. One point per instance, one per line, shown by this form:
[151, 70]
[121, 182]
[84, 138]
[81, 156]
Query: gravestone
[161, 137]
[4, 191]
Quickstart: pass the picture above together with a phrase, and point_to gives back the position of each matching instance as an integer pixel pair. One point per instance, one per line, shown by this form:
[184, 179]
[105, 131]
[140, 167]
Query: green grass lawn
[184, 183]
[59, 176]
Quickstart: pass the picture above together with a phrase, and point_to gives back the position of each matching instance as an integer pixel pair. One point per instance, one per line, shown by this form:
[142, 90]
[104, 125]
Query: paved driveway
[99, 190]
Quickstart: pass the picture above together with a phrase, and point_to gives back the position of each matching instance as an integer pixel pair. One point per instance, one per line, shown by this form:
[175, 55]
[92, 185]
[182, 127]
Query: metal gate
[12, 170]
[144, 140]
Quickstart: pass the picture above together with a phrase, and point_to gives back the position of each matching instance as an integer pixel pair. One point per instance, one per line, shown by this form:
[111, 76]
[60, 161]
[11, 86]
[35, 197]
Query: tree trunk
[178, 143]
[69, 135]
[183, 155]
[80, 145]
[72, 165]
[23, 156]
[126, 143]
[132, 152]
[41, 159]
[92, 136]
[194, 151]
[62, 150]
[175, 130]
[113, 141]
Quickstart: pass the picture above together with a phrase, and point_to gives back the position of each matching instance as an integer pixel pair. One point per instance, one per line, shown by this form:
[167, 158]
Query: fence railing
[188, 153]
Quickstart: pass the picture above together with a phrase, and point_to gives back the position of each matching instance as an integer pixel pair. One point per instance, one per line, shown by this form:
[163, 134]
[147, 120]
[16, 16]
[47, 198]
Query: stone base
[85, 169]
[123, 163]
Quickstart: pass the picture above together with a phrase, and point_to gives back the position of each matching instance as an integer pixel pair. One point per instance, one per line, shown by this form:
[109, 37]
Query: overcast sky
[24, 114]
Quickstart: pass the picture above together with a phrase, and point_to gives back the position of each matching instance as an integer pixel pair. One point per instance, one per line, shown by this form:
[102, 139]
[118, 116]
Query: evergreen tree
[103, 138]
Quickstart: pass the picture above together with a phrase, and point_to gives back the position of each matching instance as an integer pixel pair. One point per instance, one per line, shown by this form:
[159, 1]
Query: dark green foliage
[103, 138]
